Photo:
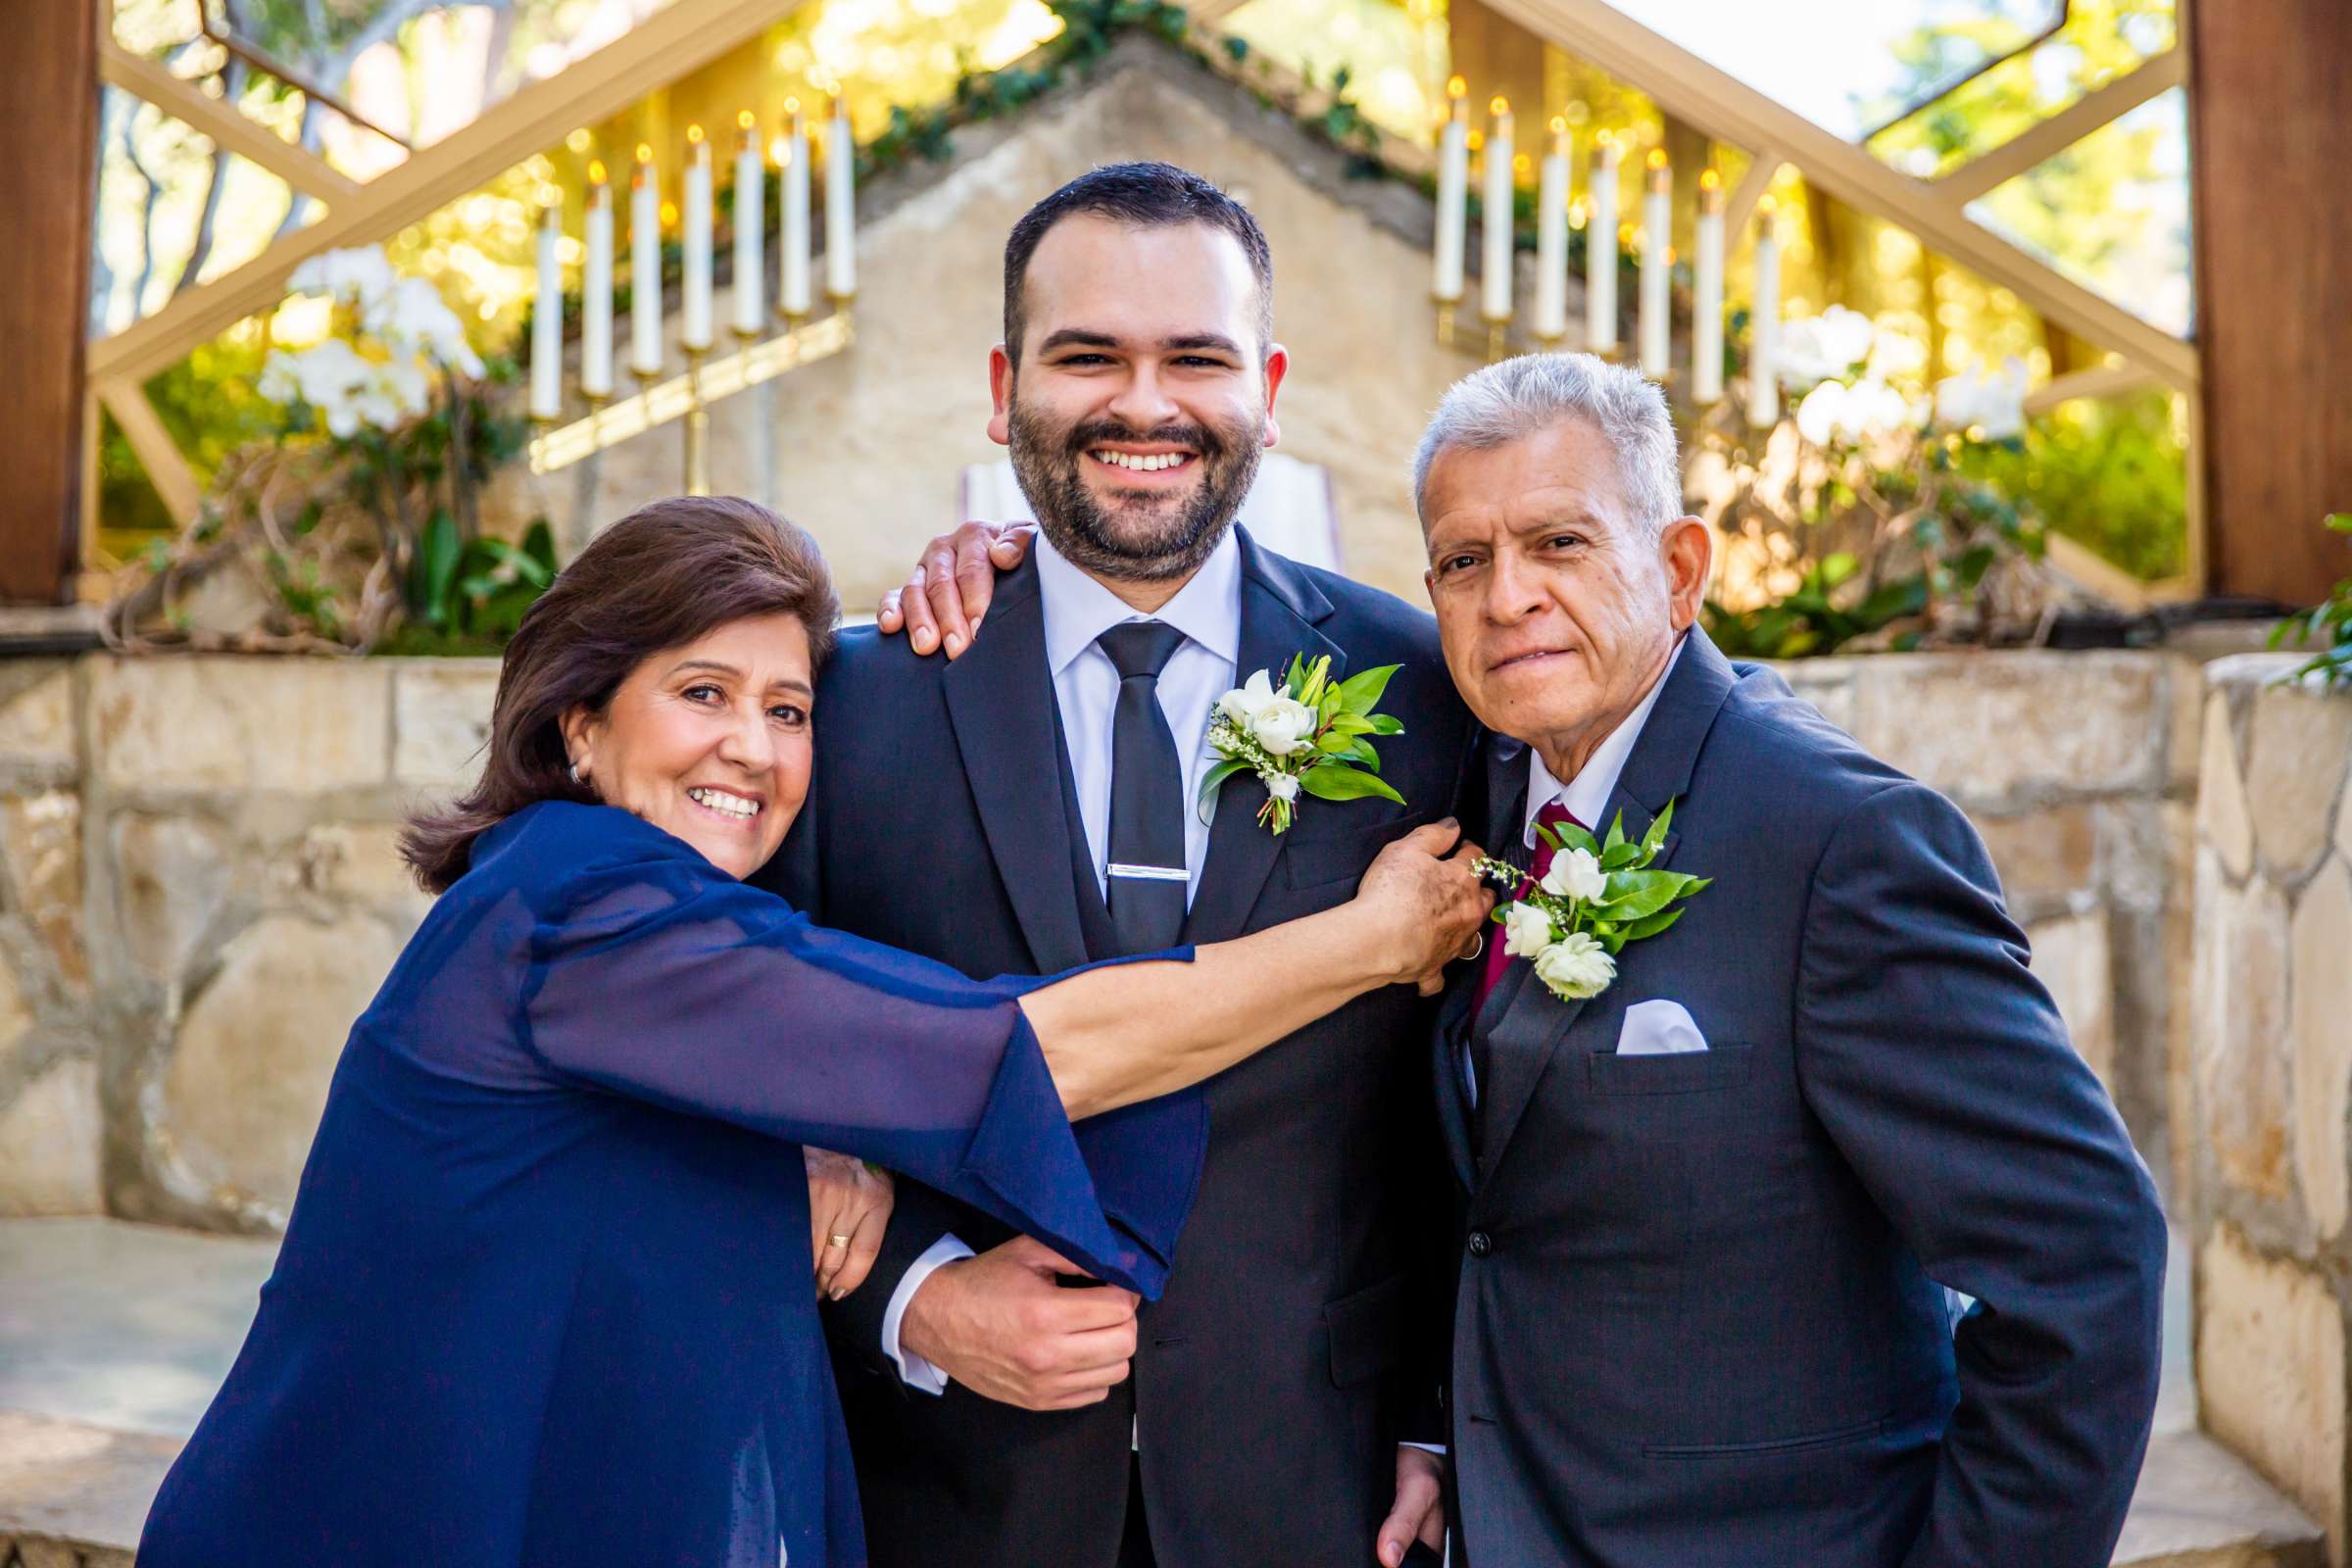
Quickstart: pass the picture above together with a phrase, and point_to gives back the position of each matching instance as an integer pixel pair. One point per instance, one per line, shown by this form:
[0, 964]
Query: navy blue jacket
[1272, 1382]
[1699, 1316]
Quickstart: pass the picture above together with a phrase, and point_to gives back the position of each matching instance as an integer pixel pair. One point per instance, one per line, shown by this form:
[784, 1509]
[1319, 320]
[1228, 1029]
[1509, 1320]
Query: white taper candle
[1706, 294]
[547, 318]
[793, 290]
[1496, 221]
[645, 267]
[1764, 323]
[841, 203]
[750, 238]
[1454, 194]
[1657, 248]
[1551, 238]
[696, 330]
[1600, 249]
[596, 290]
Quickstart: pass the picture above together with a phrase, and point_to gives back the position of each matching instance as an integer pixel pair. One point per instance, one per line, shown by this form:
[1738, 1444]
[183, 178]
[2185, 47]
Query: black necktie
[1147, 880]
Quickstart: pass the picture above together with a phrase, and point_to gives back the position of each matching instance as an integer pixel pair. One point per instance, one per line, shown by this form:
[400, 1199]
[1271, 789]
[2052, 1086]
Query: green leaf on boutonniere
[1656, 836]
[1346, 784]
[1616, 834]
[1358, 692]
[1383, 724]
[1646, 898]
[1617, 857]
[1212, 784]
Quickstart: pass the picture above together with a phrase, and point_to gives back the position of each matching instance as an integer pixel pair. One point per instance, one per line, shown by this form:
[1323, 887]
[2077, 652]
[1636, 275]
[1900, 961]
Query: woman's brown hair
[657, 579]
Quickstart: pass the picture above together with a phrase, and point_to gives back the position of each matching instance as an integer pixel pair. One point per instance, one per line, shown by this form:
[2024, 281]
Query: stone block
[2297, 760]
[2223, 817]
[1995, 727]
[2320, 984]
[37, 716]
[359, 861]
[171, 875]
[2072, 957]
[250, 1070]
[16, 1015]
[2243, 1072]
[2048, 860]
[40, 842]
[49, 1141]
[251, 723]
[441, 717]
[2270, 1372]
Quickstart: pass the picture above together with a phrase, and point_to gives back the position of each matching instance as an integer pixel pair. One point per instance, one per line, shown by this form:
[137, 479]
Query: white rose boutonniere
[1310, 735]
[1596, 896]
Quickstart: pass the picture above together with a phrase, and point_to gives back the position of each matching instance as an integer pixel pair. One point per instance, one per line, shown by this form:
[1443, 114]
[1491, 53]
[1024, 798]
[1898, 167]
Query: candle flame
[1766, 207]
[1499, 105]
[1602, 141]
[1559, 124]
[596, 170]
[1575, 213]
[1457, 88]
[1478, 140]
[694, 134]
[1710, 180]
[743, 120]
[1658, 158]
[669, 214]
[781, 151]
[645, 153]
[1522, 164]
[792, 106]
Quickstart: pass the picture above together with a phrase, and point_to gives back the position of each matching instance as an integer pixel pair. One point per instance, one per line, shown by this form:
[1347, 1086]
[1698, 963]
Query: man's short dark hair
[1145, 196]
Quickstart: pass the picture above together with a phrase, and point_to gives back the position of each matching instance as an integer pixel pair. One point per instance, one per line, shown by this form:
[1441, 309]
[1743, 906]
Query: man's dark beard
[1138, 546]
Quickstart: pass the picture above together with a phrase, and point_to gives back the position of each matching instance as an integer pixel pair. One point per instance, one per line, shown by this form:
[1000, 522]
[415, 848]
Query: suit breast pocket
[1689, 1072]
[1342, 855]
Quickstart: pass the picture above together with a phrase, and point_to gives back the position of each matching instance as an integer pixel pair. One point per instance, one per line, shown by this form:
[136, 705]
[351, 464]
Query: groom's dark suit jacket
[1297, 1342]
[1698, 1321]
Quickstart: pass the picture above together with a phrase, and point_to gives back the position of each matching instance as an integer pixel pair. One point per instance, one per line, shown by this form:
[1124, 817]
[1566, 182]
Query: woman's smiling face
[708, 742]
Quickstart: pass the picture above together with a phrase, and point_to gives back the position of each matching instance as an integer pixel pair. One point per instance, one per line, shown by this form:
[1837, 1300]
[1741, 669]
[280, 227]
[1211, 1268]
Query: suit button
[1481, 1243]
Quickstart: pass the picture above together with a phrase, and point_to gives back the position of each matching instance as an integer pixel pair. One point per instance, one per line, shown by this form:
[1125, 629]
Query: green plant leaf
[434, 570]
[1212, 783]
[1333, 782]
[1652, 925]
[1383, 724]
[1657, 835]
[1361, 691]
[1616, 833]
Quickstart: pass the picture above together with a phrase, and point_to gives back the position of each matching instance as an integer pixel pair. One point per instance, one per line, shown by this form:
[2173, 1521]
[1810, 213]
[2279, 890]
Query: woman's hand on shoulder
[1423, 904]
[849, 1209]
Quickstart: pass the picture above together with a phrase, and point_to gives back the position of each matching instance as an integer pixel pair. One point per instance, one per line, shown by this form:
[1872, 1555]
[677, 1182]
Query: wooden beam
[2269, 138]
[49, 114]
[1749, 191]
[1728, 109]
[2037, 144]
[2099, 381]
[669, 44]
[229, 129]
[167, 467]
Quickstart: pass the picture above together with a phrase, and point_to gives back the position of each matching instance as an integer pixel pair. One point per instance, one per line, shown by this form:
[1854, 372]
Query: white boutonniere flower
[1596, 896]
[1310, 735]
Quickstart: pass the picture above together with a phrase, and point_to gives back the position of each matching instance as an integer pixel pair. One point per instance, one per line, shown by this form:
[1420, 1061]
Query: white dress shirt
[1078, 610]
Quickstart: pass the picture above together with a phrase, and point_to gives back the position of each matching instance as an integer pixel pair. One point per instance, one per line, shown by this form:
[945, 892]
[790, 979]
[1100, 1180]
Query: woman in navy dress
[543, 1295]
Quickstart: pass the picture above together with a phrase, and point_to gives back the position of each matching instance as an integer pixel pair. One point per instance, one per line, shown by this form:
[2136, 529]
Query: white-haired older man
[1709, 1212]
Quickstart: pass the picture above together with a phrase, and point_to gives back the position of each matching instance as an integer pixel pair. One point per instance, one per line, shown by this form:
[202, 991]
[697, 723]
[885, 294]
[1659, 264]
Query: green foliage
[1811, 619]
[470, 594]
[2108, 475]
[2330, 625]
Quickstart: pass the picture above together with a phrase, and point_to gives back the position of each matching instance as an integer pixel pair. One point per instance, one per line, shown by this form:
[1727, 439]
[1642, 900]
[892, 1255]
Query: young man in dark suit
[1031, 805]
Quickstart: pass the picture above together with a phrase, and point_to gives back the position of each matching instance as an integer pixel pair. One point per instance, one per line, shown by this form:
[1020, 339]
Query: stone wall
[2272, 1054]
[202, 888]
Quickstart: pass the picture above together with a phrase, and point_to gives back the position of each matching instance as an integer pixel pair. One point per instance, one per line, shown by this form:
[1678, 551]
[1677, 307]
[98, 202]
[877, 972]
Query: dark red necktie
[1553, 816]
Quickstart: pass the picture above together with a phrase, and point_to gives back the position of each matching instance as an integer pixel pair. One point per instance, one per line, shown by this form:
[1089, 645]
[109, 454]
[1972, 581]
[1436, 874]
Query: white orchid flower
[360, 276]
[411, 317]
[1814, 349]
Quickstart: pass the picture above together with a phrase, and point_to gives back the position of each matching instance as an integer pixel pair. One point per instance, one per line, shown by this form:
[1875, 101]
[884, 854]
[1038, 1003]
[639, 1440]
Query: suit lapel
[1533, 1022]
[1000, 698]
[1280, 609]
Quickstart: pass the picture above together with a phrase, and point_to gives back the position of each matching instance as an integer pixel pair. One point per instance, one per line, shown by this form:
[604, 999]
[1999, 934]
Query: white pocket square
[1658, 1029]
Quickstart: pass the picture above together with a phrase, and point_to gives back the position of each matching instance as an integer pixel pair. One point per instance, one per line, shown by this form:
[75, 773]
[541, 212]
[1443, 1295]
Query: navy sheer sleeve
[656, 975]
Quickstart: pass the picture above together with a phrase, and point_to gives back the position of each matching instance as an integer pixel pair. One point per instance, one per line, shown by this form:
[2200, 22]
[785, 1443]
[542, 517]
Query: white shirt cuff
[1438, 1449]
[914, 1370]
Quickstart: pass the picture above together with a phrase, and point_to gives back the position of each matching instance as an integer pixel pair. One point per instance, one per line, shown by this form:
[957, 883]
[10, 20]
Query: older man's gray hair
[1517, 398]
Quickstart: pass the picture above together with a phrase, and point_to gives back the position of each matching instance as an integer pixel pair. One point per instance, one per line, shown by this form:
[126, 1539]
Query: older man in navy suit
[1709, 1214]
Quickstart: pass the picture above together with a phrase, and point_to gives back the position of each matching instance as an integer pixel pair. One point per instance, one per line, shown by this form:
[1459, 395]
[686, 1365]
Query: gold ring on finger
[838, 1239]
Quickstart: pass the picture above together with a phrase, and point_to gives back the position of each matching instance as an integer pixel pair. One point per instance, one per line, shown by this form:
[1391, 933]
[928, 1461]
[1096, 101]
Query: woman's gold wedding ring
[838, 1239]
